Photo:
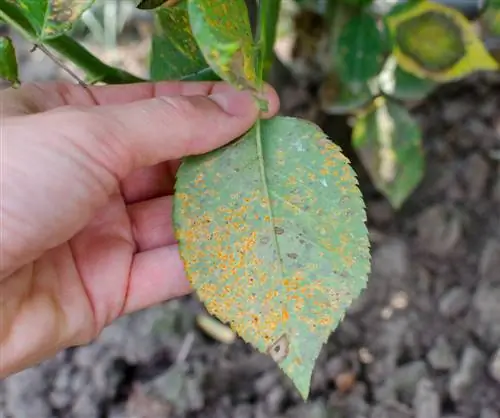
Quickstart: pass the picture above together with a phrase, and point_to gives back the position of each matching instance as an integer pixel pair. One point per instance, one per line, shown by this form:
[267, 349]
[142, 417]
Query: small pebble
[345, 381]
[471, 366]
[426, 402]
[489, 413]
[441, 356]
[454, 302]
[407, 377]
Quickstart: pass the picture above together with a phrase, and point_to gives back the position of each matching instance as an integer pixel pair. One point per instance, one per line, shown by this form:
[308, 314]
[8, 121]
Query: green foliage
[362, 49]
[271, 227]
[8, 62]
[401, 55]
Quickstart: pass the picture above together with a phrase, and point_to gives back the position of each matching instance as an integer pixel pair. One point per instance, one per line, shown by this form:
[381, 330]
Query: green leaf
[437, 42]
[222, 31]
[51, 18]
[389, 143]
[402, 85]
[151, 4]
[362, 49]
[272, 232]
[357, 3]
[8, 61]
[174, 53]
[338, 97]
[490, 17]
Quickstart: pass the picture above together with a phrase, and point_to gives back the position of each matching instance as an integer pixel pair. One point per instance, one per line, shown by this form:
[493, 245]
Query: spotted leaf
[437, 42]
[402, 85]
[272, 232]
[8, 61]
[389, 143]
[175, 53]
[51, 18]
[222, 30]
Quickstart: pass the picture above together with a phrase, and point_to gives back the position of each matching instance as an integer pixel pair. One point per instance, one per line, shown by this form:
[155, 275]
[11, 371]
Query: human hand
[86, 190]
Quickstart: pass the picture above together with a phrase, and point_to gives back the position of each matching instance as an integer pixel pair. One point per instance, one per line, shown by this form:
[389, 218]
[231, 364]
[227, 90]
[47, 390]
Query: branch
[67, 47]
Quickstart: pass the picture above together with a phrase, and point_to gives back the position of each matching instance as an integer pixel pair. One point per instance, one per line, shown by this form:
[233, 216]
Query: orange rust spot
[286, 316]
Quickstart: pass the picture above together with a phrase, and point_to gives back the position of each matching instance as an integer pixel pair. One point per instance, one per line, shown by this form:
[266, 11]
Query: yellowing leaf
[222, 30]
[51, 18]
[175, 53]
[272, 232]
[437, 42]
[388, 142]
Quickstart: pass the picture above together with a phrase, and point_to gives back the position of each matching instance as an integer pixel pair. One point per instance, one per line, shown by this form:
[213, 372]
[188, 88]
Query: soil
[423, 340]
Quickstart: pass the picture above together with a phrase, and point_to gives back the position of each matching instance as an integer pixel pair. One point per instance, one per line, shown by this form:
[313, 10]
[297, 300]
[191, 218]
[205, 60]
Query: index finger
[39, 97]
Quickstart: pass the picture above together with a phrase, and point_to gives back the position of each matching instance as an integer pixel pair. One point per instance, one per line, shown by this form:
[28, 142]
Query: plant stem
[265, 43]
[67, 47]
[266, 35]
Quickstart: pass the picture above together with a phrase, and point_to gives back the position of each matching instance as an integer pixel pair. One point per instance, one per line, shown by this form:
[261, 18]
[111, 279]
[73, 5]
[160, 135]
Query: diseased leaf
[362, 49]
[51, 18]
[175, 53]
[388, 142]
[272, 232]
[402, 85]
[8, 61]
[222, 30]
[437, 42]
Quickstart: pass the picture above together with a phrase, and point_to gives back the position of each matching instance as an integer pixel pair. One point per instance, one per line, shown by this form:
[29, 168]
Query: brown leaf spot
[279, 349]
[265, 240]
[293, 256]
[279, 230]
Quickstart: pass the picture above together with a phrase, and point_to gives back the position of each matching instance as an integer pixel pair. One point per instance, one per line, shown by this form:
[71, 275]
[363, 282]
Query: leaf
[8, 61]
[153, 4]
[175, 53]
[437, 42]
[362, 49]
[389, 143]
[272, 232]
[490, 17]
[51, 18]
[222, 31]
[338, 97]
[402, 85]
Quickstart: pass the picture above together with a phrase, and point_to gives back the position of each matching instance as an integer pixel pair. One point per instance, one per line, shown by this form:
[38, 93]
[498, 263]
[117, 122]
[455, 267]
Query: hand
[86, 190]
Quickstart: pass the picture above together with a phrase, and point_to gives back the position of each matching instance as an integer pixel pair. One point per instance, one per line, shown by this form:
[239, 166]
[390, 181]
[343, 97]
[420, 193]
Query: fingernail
[238, 103]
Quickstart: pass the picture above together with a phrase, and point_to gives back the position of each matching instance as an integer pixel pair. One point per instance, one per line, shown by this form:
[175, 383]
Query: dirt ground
[423, 341]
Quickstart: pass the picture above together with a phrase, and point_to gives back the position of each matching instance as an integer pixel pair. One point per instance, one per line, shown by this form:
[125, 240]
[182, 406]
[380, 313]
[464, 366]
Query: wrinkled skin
[86, 185]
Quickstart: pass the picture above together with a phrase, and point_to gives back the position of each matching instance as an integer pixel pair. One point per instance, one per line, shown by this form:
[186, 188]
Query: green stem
[68, 48]
[266, 35]
[265, 42]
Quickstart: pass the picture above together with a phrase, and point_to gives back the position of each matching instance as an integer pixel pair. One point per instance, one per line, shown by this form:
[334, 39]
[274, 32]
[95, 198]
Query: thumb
[147, 132]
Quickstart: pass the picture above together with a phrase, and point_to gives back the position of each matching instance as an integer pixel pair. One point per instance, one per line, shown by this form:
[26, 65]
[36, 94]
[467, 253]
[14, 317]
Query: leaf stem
[68, 48]
[265, 42]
